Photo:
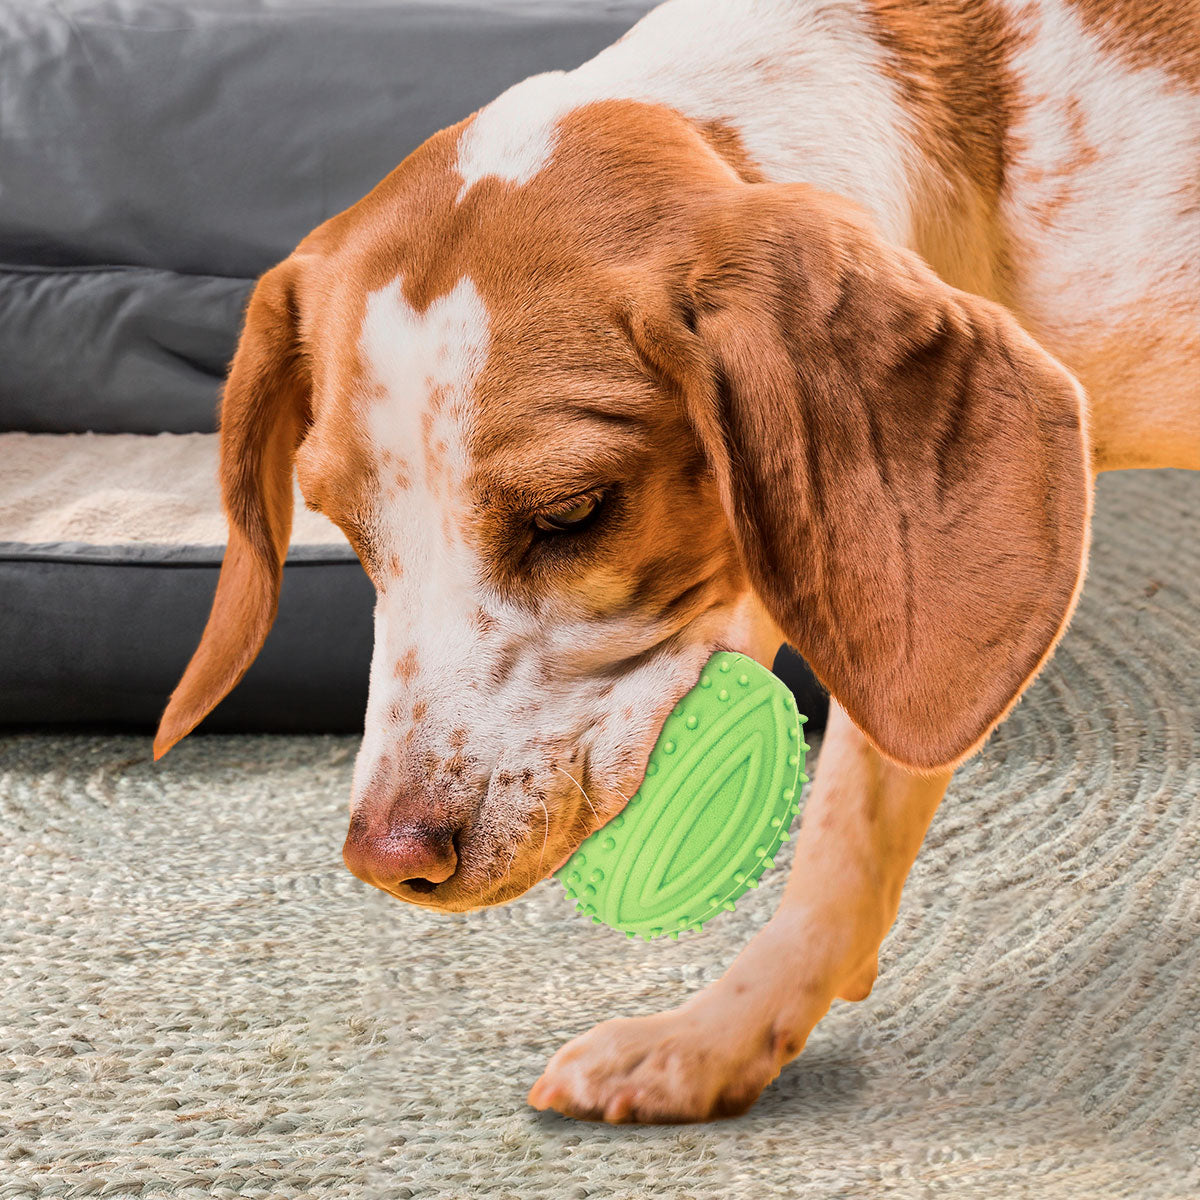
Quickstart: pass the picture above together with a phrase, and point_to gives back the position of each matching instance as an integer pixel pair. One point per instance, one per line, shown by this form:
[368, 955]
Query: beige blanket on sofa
[117, 489]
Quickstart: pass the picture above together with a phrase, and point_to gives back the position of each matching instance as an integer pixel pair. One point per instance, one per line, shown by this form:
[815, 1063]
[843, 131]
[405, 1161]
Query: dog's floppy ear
[264, 413]
[904, 470]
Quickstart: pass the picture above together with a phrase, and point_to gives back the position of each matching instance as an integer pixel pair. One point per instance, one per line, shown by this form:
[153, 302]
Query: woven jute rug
[198, 1000]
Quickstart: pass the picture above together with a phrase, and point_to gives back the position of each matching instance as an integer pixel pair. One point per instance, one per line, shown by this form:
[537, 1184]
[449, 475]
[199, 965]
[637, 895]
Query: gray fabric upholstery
[102, 633]
[156, 157]
[93, 636]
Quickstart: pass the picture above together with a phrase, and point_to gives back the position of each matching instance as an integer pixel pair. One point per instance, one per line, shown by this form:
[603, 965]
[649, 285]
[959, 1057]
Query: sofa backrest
[156, 157]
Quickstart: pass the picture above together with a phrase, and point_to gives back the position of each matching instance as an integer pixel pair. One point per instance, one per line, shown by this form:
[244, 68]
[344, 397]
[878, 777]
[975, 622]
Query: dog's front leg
[863, 823]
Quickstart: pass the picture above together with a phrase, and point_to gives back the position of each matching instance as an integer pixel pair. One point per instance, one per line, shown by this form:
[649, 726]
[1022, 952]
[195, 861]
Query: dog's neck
[826, 93]
[801, 89]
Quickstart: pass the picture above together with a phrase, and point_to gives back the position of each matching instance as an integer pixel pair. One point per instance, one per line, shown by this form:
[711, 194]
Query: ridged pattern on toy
[718, 798]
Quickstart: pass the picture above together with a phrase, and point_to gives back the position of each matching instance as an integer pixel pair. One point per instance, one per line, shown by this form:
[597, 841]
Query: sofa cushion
[110, 546]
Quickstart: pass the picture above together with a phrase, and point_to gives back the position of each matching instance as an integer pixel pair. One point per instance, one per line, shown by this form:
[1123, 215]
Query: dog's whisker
[535, 873]
[545, 836]
[581, 792]
[491, 878]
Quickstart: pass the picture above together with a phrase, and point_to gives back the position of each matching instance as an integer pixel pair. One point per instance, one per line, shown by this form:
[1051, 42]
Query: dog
[808, 322]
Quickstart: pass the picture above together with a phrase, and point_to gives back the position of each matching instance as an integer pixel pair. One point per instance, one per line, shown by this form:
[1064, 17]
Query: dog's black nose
[418, 856]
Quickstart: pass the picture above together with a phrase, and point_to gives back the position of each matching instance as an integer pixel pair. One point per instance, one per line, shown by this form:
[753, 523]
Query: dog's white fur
[1098, 196]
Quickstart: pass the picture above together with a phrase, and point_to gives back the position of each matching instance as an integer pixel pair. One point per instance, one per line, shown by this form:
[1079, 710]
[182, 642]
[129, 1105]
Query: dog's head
[586, 424]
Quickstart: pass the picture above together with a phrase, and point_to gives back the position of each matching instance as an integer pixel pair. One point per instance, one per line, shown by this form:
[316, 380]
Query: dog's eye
[569, 514]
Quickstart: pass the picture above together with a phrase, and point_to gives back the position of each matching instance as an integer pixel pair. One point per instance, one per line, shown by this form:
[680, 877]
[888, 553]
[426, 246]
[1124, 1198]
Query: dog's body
[1040, 154]
[593, 373]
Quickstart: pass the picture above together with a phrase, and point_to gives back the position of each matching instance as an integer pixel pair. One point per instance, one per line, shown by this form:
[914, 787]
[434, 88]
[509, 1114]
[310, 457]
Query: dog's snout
[416, 855]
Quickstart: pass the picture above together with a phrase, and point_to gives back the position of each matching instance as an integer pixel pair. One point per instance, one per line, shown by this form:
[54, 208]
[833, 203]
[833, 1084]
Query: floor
[200, 1001]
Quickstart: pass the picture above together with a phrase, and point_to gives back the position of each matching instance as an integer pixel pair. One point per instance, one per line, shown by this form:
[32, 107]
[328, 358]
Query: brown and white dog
[803, 320]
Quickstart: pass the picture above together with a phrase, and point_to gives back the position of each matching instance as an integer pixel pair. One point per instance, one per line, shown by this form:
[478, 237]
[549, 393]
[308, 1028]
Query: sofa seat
[110, 545]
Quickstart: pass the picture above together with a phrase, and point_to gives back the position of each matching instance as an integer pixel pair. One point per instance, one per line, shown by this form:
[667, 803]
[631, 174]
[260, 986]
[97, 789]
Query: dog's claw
[541, 1095]
[619, 1108]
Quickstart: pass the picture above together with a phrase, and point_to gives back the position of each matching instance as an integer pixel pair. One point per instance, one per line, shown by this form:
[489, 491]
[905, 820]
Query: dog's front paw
[672, 1067]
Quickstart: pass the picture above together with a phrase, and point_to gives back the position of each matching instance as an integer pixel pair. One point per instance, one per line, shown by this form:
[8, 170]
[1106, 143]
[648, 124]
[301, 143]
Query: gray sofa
[154, 159]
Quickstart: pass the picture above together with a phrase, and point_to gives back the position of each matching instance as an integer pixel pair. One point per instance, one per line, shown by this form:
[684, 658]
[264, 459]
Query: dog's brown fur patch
[951, 62]
[1148, 33]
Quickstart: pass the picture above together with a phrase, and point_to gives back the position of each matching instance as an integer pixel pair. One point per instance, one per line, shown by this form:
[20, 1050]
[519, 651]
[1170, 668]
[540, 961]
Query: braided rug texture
[198, 1000]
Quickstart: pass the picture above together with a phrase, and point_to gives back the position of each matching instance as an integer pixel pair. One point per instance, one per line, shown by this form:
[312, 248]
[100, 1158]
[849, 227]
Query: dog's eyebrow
[550, 433]
[534, 469]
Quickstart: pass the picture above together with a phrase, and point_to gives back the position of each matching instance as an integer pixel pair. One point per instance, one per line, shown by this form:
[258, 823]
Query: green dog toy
[716, 802]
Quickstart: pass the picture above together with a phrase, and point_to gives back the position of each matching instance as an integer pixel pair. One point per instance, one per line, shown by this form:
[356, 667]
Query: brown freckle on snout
[419, 710]
[406, 665]
[506, 663]
[503, 778]
[458, 739]
[435, 451]
[427, 437]
[396, 714]
[484, 622]
[400, 475]
[438, 394]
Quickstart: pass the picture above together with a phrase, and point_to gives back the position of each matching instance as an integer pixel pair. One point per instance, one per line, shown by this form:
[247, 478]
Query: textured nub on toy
[720, 791]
